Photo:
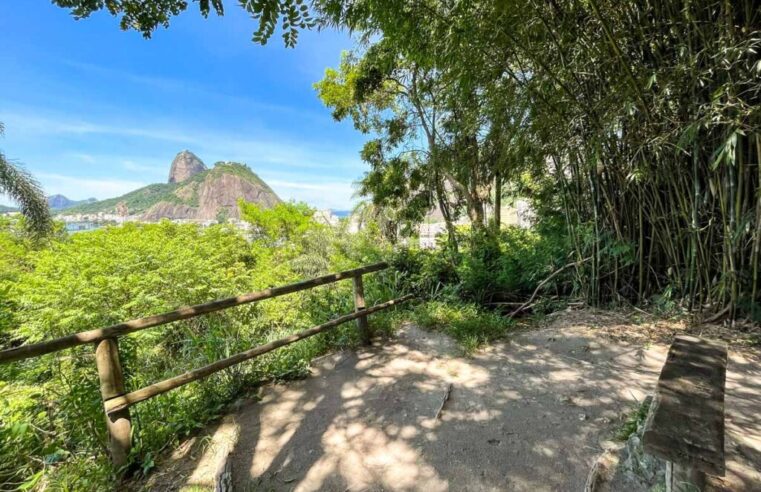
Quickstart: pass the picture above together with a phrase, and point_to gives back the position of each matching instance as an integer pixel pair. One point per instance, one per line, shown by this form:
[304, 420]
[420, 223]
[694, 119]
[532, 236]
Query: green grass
[471, 326]
[753, 340]
[635, 419]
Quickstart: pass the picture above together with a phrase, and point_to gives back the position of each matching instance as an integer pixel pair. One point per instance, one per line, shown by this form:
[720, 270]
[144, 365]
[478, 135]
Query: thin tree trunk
[497, 202]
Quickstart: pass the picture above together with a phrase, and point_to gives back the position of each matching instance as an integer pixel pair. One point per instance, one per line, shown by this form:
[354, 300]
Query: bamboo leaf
[725, 152]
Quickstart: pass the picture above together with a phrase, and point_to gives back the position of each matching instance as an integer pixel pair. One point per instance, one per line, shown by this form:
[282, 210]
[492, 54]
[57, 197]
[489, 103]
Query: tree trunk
[497, 202]
[446, 213]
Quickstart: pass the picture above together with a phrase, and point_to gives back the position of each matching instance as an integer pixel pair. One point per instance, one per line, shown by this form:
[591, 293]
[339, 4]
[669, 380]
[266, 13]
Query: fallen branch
[642, 311]
[543, 282]
[716, 317]
[443, 401]
[503, 303]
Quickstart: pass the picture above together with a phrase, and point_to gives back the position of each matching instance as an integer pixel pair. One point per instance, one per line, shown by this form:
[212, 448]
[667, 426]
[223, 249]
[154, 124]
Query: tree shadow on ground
[531, 413]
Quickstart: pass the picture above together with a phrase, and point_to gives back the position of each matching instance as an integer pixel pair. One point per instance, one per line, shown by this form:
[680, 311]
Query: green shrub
[511, 263]
[52, 430]
[470, 325]
[634, 420]
[427, 273]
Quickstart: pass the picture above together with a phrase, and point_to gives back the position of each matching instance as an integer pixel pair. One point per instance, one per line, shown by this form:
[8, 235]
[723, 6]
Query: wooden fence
[116, 400]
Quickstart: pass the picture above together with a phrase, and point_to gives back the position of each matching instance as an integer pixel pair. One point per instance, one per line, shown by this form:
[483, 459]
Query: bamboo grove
[636, 122]
[655, 145]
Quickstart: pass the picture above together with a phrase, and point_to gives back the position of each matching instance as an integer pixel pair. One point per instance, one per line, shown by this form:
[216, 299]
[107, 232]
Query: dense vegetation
[51, 423]
[636, 124]
[51, 420]
[52, 431]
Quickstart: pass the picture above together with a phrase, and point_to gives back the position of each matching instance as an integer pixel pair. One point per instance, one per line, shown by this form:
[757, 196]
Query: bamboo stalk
[757, 237]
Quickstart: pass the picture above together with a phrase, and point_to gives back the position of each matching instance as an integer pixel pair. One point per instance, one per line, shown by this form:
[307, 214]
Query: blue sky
[93, 111]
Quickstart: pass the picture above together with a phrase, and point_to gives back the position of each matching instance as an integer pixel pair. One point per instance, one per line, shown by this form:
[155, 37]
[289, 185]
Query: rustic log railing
[116, 399]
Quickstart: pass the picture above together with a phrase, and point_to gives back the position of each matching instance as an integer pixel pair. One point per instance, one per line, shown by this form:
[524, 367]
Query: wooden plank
[119, 423]
[684, 479]
[156, 389]
[359, 305]
[686, 420]
[93, 336]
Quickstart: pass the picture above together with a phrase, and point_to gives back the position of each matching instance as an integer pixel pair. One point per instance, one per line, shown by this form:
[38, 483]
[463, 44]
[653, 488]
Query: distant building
[326, 217]
[434, 225]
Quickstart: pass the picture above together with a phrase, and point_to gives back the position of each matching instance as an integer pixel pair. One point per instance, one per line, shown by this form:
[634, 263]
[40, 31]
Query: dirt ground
[528, 414]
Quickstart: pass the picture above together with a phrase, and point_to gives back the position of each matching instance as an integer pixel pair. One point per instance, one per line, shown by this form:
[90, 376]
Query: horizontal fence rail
[121, 402]
[93, 336]
[116, 399]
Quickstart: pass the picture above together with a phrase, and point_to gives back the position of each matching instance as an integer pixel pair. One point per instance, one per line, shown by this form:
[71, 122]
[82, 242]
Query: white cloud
[45, 125]
[77, 188]
[318, 173]
[4, 200]
[270, 149]
[336, 195]
[132, 165]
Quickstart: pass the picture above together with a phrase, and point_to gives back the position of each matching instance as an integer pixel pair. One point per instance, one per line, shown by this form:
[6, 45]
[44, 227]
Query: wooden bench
[685, 425]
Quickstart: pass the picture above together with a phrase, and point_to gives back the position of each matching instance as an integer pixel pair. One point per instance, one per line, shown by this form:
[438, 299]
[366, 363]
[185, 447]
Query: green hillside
[137, 201]
[4, 209]
[142, 199]
[234, 168]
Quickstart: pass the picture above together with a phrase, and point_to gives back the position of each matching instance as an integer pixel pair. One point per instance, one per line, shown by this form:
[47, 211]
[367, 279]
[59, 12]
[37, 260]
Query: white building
[433, 225]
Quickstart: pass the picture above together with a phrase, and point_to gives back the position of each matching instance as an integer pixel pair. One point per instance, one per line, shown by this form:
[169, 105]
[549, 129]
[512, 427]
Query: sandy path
[531, 414]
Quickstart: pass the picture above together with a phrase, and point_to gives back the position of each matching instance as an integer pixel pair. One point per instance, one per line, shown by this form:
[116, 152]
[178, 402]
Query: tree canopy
[146, 16]
[637, 124]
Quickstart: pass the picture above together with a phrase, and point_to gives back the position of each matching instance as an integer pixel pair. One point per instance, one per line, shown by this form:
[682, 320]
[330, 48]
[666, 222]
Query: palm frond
[22, 188]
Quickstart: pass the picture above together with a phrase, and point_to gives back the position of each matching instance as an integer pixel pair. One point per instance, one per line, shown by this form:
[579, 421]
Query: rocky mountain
[60, 202]
[184, 166]
[194, 192]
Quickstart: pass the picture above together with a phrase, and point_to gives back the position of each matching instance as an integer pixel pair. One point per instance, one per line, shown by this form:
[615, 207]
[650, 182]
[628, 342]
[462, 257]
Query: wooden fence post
[111, 378]
[359, 305]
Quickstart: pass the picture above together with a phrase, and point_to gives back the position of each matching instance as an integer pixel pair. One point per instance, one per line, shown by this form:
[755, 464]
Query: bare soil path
[528, 414]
